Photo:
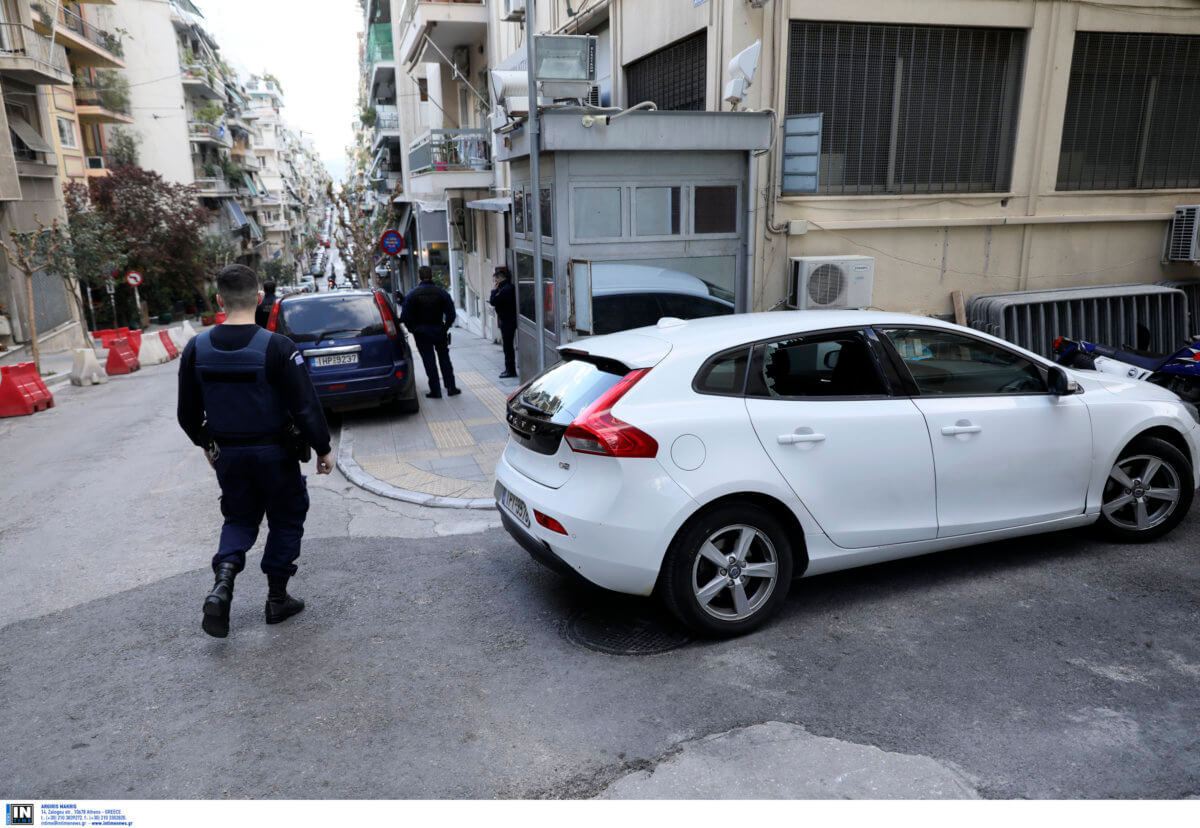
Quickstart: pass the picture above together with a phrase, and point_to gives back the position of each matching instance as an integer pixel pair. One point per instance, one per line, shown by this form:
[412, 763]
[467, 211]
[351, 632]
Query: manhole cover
[624, 634]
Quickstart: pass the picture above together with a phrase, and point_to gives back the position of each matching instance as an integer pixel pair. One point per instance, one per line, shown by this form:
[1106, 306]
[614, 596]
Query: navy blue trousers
[433, 349]
[508, 332]
[257, 481]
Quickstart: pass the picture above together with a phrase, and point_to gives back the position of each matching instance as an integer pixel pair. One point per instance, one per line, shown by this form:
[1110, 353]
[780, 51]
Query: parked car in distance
[712, 461]
[352, 346]
[628, 296]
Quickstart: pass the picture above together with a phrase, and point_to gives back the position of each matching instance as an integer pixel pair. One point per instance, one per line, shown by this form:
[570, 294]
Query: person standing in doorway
[429, 314]
[262, 314]
[504, 300]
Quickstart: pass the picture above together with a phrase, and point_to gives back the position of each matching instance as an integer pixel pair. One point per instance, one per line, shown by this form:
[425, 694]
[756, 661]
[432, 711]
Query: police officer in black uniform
[504, 300]
[429, 313]
[246, 398]
[262, 314]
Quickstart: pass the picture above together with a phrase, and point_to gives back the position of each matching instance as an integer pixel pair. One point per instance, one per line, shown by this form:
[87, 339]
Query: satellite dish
[741, 73]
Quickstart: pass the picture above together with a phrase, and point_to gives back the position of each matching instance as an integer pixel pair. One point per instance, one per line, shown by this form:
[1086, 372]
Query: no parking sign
[391, 242]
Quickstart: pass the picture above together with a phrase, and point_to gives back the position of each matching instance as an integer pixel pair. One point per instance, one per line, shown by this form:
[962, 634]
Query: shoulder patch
[299, 360]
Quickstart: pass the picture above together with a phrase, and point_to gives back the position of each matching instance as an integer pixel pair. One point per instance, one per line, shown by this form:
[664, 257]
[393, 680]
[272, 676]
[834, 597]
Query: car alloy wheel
[1141, 493]
[734, 573]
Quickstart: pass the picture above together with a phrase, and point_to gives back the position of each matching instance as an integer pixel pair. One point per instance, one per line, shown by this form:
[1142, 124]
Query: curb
[355, 474]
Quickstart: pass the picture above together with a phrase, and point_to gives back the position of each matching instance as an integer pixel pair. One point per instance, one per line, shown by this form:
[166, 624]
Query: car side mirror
[1060, 384]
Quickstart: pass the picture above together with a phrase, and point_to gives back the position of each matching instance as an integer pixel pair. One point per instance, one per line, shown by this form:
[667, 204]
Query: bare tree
[360, 230]
[30, 253]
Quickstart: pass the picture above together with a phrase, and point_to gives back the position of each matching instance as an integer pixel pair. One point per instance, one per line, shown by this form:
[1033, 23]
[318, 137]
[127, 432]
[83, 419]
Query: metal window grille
[908, 109]
[672, 77]
[1132, 118]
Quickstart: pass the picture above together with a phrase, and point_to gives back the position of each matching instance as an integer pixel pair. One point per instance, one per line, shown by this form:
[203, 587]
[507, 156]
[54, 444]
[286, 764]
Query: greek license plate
[335, 359]
[513, 504]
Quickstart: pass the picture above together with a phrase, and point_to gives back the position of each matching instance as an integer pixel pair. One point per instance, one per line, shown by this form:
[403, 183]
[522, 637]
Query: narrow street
[435, 659]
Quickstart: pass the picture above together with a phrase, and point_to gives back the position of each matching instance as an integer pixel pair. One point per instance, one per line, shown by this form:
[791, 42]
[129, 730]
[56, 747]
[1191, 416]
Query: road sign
[110, 287]
[391, 242]
[133, 278]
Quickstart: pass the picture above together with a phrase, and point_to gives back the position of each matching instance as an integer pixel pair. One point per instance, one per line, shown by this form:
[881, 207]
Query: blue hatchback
[353, 348]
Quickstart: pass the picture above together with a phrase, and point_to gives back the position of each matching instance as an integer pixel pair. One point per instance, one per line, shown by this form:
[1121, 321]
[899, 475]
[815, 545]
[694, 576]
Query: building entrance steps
[446, 454]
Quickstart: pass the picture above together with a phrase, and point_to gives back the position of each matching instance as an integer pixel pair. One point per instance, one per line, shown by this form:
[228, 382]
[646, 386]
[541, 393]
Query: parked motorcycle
[1178, 372]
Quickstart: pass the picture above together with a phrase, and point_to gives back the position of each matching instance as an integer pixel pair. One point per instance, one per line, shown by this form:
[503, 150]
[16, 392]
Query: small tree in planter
[31, 253]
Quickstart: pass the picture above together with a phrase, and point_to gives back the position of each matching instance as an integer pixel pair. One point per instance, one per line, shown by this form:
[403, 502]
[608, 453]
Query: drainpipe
[535, 118]
[742, 303]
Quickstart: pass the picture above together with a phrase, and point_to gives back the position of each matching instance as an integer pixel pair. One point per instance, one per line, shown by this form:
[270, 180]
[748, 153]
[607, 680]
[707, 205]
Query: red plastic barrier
[165, 338]
[221, 318]
[121, 359]
[22, 391]
[135, 341]
[106, 337]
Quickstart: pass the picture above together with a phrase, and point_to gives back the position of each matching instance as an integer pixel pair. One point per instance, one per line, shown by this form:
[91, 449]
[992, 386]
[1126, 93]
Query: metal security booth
[650, 202]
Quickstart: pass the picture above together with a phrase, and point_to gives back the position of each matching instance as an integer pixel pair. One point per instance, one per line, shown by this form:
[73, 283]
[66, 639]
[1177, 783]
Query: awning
[501, 204]
[32, 138]
[234, 211]
[250, 183]
[255, 232]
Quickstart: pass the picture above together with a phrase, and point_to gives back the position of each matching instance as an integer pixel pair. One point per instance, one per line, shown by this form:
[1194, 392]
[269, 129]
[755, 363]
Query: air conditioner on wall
[1182, 243]
[514, 11]
[818, 282]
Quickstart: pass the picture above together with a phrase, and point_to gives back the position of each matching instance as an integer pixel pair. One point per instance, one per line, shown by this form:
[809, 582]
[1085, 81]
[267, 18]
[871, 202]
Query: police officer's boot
[280, 605]
[216, 604]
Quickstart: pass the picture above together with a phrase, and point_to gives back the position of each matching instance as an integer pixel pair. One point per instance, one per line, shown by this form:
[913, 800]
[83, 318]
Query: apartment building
[31, 65]
[972, 145]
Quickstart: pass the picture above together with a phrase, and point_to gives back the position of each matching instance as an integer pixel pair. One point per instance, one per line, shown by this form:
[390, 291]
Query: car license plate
[513, 504]
[335, 359]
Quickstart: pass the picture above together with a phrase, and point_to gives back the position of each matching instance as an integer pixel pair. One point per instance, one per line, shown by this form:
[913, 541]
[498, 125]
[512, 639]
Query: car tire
[708, 593]
[1147, 493]
[408, 405]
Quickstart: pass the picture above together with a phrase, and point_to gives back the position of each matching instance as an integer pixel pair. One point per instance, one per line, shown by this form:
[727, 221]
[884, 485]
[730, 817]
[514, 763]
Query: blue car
[353, 347]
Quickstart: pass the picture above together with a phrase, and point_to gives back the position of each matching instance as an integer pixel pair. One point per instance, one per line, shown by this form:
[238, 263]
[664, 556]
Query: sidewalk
[445, 455]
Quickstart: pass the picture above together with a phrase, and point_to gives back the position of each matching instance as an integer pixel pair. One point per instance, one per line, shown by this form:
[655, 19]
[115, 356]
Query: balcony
[447, 24]
[30, 57]
[387, 124]
[450, 159]
[90, 46]
[205, 133]
[95, 105]
[209, 185]
[202, 81]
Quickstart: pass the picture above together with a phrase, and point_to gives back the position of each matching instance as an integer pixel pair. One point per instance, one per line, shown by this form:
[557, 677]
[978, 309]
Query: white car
[712, 461]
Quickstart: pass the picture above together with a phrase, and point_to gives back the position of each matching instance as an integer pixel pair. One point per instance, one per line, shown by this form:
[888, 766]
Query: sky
[311, 46]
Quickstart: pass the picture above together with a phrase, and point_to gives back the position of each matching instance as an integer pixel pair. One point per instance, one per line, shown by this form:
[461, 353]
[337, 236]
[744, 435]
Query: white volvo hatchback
[712, 461]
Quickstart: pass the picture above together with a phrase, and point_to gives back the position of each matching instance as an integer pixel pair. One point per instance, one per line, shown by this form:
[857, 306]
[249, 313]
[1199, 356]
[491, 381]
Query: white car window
[820, 365]
[944, 363]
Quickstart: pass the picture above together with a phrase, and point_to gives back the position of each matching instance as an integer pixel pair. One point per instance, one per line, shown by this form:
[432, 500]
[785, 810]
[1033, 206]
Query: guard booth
[642, 218]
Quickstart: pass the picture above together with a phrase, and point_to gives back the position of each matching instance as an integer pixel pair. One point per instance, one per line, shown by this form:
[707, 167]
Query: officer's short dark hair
[268, 287]
[424, 273]
[238, 287]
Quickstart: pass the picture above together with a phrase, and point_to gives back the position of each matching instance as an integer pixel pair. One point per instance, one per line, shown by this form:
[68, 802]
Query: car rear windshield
[330, 317]
[564, 391]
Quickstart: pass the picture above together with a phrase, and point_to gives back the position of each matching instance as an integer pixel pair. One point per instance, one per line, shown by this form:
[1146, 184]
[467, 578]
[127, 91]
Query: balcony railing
[19, 41]
[73, 22]
[379, 43]
[450, 149]
[386, 117]
[110, 99]
[203, 129]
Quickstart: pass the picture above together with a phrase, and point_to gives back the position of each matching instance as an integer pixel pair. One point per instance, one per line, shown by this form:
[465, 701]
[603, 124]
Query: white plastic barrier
[188, 330]
[178, 337]
[87, 370]
[153, 352]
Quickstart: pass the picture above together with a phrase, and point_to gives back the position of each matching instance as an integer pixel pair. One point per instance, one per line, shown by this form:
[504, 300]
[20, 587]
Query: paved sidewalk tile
[446, 454]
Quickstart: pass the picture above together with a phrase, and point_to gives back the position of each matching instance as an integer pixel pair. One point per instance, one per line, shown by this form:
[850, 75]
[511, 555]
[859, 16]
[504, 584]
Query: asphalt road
[431, 666]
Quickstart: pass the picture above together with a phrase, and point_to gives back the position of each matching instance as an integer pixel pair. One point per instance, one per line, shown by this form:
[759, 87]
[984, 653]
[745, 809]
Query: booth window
[656, 210]
[547, 213]
[518, 213]
[597, 212]
[526, 290]
[715, 210]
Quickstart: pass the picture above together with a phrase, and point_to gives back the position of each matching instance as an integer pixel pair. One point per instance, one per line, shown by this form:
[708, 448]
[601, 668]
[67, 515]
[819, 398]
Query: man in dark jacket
[429, 313]
[504, 300]
[262, 314]
[241, 390]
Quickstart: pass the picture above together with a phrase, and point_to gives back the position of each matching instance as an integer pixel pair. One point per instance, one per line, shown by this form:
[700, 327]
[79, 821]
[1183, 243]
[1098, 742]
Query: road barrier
[135, 341]
[105, 337]
[188, 330]
[153, 352]
[87, 370]
[22, 391]
[178, 337]
[121, 358]
[168, 344]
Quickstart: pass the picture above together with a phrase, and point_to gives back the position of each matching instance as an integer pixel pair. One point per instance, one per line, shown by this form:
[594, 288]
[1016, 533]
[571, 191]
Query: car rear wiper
[329, 334]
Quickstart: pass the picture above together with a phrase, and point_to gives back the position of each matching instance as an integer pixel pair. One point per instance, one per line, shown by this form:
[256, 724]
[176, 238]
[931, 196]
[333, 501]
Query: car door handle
[961, 427]
[789, 439]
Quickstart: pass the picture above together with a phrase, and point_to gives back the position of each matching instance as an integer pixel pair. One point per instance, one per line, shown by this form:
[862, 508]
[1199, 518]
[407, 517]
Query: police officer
[262, 314]
[504, 300]
[241, 391]
[429, 313]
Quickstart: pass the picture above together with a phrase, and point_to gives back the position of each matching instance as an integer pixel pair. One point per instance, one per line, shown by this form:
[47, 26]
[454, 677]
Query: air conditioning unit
[819, 282]
[514, 11]
[1182, 243]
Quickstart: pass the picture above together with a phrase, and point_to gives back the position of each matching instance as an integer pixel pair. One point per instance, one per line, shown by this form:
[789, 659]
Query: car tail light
[389, 324]
[549, 522]
[273, 320]
[597, 431]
